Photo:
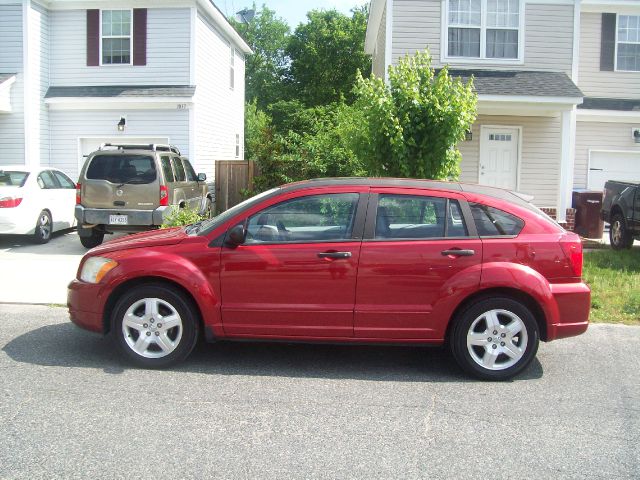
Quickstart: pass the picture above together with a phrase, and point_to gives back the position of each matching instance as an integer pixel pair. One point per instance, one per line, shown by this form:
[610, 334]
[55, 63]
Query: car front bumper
[100, 216]
[573, 301]
[86, 305]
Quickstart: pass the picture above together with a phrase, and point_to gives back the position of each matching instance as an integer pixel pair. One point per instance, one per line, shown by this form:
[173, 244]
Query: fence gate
[232, 177]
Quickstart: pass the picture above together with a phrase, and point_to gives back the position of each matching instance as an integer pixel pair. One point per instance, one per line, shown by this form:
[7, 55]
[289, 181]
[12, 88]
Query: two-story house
[558, 85]
[75, 74]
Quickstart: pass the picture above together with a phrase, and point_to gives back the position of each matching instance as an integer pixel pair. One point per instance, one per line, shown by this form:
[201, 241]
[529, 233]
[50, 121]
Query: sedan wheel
[155, 325]
[44, 227]
[495, 338]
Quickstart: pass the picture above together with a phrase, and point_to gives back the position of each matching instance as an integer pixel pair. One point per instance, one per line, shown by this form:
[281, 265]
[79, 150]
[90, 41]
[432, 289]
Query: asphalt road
[71, 408]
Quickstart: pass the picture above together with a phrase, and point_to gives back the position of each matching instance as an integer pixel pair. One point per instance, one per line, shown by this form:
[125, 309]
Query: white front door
[499, 157]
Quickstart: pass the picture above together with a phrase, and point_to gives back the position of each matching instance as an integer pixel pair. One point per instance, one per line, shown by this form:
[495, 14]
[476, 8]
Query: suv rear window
[134, 169]
[492, 222]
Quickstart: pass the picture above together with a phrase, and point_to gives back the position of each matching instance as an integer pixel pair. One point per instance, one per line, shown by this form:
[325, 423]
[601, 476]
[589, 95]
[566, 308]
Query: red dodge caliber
[345, 260]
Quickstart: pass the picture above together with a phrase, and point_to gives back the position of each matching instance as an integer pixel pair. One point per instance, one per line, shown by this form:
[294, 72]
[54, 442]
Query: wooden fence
[232, 177]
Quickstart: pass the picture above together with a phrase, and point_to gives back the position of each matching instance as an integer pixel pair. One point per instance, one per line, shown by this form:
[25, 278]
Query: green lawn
[614, 278]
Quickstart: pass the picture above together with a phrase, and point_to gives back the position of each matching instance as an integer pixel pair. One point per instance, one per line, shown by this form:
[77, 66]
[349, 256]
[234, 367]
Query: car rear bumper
[100, 216]
[573, 301]
[16, 221]
[85, 305]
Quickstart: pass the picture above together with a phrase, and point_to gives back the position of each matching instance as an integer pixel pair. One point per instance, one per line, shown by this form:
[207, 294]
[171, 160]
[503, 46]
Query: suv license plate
[118, 220]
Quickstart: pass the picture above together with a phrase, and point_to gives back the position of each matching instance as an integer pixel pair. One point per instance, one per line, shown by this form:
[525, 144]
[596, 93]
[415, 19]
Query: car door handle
[456, 252]
[334, 255]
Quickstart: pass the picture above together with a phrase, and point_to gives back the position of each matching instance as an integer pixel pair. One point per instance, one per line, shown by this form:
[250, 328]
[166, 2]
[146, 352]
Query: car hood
[155, 238]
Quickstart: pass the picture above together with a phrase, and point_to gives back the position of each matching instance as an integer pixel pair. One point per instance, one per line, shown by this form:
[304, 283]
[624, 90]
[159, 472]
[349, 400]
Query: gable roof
[119, 91]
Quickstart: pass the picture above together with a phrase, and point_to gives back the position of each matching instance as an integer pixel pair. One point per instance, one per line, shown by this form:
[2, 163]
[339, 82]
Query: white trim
[518, 128]
[575, 54]
[600, 150]
[388, 50]
[5, 94]
[531, 99]
[567, 162]
[608, 116]
[116, 36]
[156, 103]
[376, 9]
[192, 134]
[193, 14]
[482, 59]
[26, 86]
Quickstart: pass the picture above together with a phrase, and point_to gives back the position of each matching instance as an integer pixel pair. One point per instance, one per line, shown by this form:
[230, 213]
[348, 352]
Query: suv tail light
[572, 248]
[10, 202]
[78, 193]
[164, 196]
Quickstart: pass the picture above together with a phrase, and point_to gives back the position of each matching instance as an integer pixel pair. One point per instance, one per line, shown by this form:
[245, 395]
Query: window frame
[615, 54]
[130, 36]
[444, 38]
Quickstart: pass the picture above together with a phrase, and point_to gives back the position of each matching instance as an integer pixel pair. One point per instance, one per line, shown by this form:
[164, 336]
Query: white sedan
[35, 201]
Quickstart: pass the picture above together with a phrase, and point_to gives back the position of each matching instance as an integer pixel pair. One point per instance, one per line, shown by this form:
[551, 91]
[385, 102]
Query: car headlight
[95, 268]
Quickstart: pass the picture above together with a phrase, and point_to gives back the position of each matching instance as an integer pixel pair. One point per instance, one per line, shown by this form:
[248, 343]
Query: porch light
[121, 124]
[468, 136]
[636, 135]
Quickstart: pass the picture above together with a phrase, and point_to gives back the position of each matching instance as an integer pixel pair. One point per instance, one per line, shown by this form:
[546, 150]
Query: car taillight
[164, 196]
[572, 248]
[10, 202]
[78, 193]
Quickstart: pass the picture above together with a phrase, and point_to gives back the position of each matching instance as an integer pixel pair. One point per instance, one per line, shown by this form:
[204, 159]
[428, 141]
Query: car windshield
[13, 178]
[212, 223]
[118, 168]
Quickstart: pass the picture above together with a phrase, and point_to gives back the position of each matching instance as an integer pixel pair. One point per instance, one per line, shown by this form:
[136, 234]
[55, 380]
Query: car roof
[29, 169]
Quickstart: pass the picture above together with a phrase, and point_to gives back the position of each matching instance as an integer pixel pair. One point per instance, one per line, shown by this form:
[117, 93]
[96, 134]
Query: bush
[182, 216]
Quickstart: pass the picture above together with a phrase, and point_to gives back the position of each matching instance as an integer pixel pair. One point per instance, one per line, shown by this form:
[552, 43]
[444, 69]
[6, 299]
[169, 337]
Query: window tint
[166, 168]
[179, 169]
[306, 219]
[493, 222]
[191, 174]
[46, 180]
[133, 169]
[12, 178]
[408, 216]
[65, 182]
[456, 226]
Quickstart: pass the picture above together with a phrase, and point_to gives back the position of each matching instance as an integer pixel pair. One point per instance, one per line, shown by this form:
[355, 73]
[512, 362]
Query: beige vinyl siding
[591, 80]
[548, 35]
[66, 127]
[168, 39]
[11, 61]
[539, 160]
[379, 56]
[599, 136]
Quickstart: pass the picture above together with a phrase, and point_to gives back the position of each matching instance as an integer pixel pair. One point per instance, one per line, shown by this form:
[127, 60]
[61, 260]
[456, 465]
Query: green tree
[325, 54]
[268, 36]
[410, 127]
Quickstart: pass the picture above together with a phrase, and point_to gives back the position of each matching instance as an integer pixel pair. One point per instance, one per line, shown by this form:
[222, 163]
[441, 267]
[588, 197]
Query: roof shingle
[119, 91]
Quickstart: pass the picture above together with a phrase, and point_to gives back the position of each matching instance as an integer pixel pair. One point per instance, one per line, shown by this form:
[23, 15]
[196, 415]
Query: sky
[293, 11]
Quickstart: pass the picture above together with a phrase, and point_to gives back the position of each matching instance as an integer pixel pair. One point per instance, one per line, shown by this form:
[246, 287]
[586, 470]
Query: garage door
[605, 166]
[91, 144]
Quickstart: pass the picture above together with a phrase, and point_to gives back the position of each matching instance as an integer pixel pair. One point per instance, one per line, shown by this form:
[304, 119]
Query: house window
[115, 41]
[232, 61]
[628, 43]
[484, 29]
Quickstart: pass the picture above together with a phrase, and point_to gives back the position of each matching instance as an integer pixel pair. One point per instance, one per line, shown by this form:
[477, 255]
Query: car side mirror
[202, 177]
[235, 236]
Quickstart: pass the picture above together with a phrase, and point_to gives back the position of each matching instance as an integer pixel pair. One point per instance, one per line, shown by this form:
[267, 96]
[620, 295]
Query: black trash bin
[588, 204]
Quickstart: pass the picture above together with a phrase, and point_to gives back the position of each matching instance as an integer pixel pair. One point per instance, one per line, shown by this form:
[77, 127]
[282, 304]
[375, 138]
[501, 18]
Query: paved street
[72, 409]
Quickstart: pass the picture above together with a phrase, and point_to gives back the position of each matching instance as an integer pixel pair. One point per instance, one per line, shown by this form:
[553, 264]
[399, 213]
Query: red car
[345, 260]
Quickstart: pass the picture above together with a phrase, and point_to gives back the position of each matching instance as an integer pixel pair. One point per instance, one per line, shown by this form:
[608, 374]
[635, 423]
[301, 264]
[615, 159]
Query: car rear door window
[65, 182]
[166, 169]
[132, 169]
[179, 169]
[492, 222]
[314, 218]
[46, 180]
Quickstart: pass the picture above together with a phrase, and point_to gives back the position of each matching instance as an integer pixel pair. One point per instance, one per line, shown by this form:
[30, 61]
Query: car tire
[155, 326]
[208, 209]
[619, 236]
[44, 228]
[92, 240]
[495, 338]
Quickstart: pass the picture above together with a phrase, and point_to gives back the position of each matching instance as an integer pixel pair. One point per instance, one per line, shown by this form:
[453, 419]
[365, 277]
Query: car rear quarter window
[179, 169]
[166, 169]
[133, 169]
[65, 182]
[46, 180]
[492, 222]
[191, 174]
[314, 218]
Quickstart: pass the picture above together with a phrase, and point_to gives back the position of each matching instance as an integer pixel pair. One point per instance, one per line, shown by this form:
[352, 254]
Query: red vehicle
[345, 260]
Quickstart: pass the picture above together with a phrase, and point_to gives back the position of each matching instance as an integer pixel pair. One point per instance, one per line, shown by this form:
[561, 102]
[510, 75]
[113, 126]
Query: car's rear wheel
[619, 236]
[44, 228]
[155, 326]
[495, 338]
[93, 240]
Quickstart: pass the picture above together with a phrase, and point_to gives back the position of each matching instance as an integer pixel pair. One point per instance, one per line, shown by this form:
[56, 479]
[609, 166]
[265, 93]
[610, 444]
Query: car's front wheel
[619, 236]
[495, 338]
[155, 326]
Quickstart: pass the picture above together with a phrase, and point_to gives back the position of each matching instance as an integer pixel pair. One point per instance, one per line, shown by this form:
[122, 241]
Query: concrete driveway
[39, 274]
